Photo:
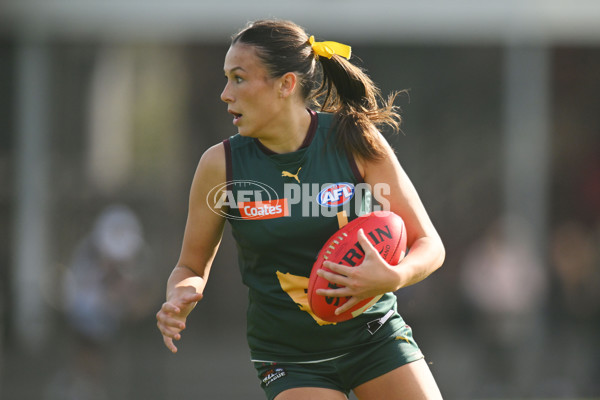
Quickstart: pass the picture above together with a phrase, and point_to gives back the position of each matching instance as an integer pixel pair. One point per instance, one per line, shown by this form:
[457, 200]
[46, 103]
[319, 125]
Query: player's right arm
[203, 232]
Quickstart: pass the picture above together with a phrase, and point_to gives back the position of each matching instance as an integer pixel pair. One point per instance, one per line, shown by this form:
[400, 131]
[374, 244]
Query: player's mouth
[236, 117]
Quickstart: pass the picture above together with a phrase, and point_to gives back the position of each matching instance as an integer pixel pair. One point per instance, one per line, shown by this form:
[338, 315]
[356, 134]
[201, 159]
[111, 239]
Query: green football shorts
[342, 373]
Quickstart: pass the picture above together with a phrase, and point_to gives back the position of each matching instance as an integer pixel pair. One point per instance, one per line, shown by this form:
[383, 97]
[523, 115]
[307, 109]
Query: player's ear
[288, 83]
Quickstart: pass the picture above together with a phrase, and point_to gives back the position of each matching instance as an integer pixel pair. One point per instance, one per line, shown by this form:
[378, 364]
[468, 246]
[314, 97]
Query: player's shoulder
[213, 160]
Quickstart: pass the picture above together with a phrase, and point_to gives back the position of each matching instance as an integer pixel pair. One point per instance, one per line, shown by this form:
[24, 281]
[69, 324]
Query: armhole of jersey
[228, 163]
[354, 167]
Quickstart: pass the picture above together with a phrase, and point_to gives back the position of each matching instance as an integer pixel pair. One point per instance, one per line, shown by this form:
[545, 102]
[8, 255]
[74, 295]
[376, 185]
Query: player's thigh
[310, 393]
[412, 381]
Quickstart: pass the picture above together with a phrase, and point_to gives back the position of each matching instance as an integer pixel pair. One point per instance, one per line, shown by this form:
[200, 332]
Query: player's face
[251, 95]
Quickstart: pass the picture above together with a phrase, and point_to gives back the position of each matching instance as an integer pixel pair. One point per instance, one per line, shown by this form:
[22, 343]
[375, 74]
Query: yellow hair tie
[328, 49]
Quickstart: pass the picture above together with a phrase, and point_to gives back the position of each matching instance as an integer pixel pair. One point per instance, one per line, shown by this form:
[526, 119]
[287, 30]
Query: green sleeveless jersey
[283, 208]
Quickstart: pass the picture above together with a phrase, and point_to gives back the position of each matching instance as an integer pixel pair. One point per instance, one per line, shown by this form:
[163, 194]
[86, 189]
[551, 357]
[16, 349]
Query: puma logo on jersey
[290, 175]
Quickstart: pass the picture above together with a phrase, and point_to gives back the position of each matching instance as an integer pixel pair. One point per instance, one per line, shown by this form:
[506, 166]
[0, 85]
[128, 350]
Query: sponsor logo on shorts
[272, 375]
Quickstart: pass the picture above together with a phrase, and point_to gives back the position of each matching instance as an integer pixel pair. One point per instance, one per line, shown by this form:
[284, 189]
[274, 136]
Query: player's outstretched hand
[172, 315]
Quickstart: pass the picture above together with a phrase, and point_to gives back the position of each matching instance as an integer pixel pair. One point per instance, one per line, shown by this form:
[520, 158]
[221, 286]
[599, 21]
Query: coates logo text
[263, 209]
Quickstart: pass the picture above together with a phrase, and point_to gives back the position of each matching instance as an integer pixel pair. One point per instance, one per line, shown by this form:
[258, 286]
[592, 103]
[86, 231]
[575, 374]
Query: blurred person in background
[575, 321]
[272, 70]
[575, 267]
[107, 285]
[506, 285]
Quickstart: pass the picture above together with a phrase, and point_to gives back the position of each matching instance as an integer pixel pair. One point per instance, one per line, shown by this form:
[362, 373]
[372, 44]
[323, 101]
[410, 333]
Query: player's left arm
[394, 190]
[426, 251]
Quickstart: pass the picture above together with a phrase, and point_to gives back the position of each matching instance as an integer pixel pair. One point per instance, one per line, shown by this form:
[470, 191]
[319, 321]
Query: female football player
[261, 180]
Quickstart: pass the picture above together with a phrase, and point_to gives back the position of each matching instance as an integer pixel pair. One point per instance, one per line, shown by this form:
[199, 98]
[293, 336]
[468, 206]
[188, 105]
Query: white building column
[30, 262]
[527, 138]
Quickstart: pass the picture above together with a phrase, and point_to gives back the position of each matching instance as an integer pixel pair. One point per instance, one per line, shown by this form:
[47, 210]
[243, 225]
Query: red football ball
[386, 232]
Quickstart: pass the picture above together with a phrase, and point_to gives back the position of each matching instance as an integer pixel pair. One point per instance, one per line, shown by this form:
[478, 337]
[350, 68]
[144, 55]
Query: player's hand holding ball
[367, 280]
[355, 267]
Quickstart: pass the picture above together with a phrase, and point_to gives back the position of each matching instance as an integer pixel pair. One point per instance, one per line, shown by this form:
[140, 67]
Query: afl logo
[335, 194]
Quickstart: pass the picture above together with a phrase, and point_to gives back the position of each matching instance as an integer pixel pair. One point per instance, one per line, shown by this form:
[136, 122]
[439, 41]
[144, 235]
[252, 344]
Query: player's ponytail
[348, 92]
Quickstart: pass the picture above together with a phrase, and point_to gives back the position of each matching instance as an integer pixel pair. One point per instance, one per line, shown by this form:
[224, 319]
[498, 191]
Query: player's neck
[289, 131]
